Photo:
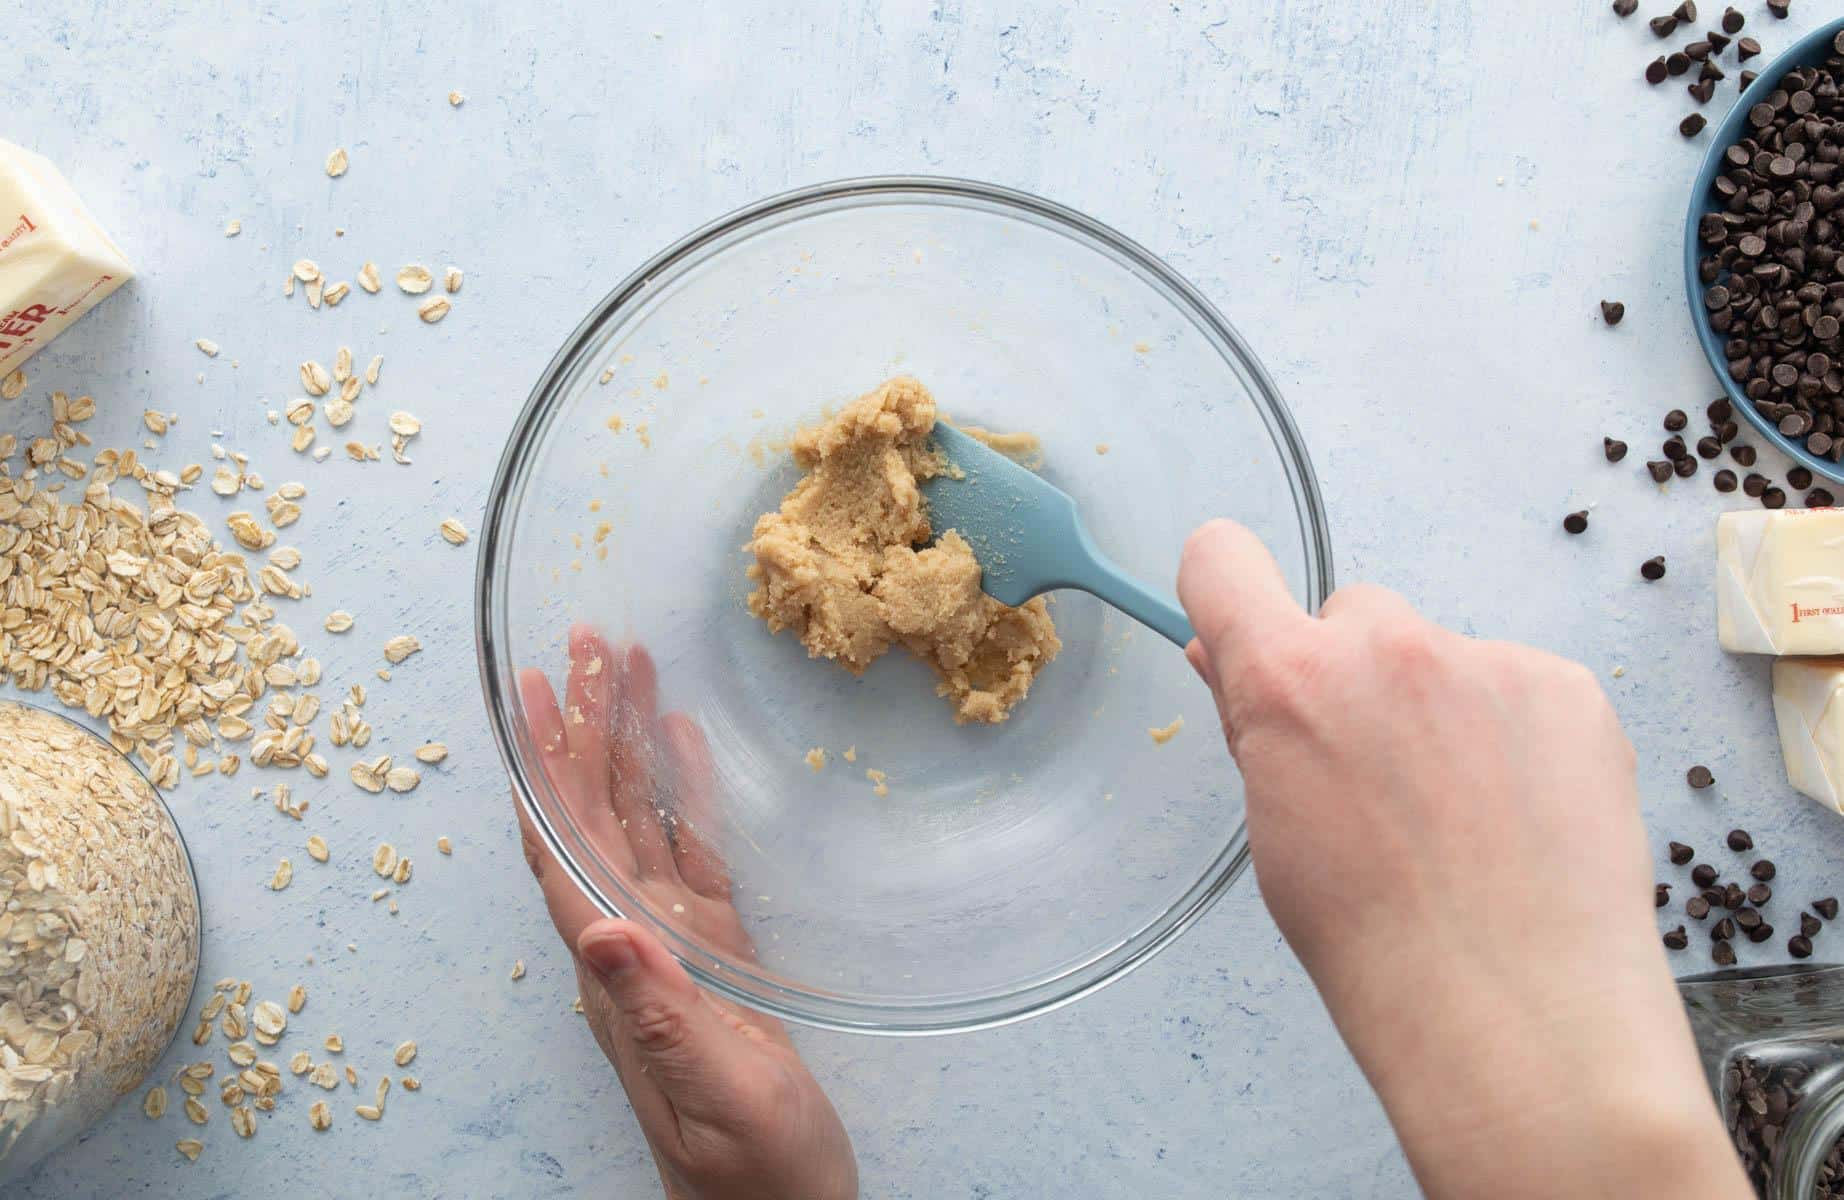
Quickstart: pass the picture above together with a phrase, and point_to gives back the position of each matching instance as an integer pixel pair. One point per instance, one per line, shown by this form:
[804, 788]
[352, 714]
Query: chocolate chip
[1699, 777]
[1746, 79]
[1712, 896]
[1625, 8]
[1780, 8]
[1723, 955]
[1725, 480]
[1684, 467]
[1663, 27]
[1820, 498]
[1739, 840]
[1718, 43]
[1661, 895]
[1799, 946]
[1676, 63]
[1760, 894]
[1702, 90]
[1723, 930]
[1675, 420]
[1799, 477]
[1679, 853]
[1754, 485]
[1732, 21]
[1576, 522]
[1613, 448]
[1698, 51]
[1696, 908]
[1692, 125]
[1708, 447]
[1743, 454]
[1763, 870]
[1686, 12]
[1733, 897]
[1613, 311]
[1660, 470]
[1826, 908]
[1656, 71]
[1677, 939]
[1809, 925]
[1761, 932]
[1774, 498]
[1653, 569]
[1746, 49]
[1674, 448]
[1703, 875]
[1746, 919]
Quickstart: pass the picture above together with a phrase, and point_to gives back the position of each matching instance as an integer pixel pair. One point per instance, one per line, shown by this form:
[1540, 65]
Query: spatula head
[1023, 531]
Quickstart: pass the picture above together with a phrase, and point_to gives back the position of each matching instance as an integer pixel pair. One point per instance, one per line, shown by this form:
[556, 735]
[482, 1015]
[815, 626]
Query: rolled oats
[433, 309]
[414, 279]
[453, 532]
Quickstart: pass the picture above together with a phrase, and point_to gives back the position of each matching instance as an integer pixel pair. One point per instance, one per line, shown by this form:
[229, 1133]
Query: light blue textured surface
[1409, 207]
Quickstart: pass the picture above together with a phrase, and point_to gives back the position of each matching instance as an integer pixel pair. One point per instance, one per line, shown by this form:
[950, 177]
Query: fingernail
[610, 952]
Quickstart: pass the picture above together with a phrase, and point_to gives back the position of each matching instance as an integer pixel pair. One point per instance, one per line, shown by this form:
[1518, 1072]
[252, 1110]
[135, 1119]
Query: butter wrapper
[1810, 714]
[1780, 581]
[56, 263]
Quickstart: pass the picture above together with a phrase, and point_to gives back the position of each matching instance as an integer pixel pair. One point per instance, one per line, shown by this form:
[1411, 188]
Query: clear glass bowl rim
[498, 679]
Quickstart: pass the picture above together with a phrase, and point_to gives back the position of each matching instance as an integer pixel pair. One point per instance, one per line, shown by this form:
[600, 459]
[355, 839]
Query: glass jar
[1772, 1044]
[99, 932]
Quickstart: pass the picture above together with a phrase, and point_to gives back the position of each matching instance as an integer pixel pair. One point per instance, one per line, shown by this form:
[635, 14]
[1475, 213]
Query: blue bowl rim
[1809, 50]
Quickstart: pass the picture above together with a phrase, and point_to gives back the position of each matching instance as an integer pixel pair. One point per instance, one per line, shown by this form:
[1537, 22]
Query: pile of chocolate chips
[1742, 909]
[1700, 52]
[1770, 274]
[1757, 1094]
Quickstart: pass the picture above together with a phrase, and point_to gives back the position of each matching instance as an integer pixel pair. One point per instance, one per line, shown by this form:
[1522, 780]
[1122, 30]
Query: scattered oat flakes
[400, 648]
[372, 368]
[297, 999]
[13, 386]
[444, 845]
[368, 277]
[156, 422]
[315, 379]
[284, 872]
[405, 424]
[456, 99]
[306, 270]
[370, 1112]
[337, 163]
[411, 1083]
[232, 228]
[384, 859]
[415, 279]
[338, 621]
[879, 781]
[453, 532]
[431, 753]
[196, 1112]
[243, 1121]
[316, 850]
[336, 293]
[190, 1147]
[319, 1116]
[816, 759]
[208, 347]
[451, 279]
[405, 1054]
[518, 969]
[402, 779]
[433, 309]
[155, 1104]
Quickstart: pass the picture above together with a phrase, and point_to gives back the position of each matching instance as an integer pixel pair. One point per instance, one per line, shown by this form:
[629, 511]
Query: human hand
[1447, 832]
[724, 1101]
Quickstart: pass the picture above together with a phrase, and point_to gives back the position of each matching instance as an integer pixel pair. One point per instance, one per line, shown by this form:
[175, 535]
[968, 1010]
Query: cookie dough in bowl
[894, 869]
[846, 564]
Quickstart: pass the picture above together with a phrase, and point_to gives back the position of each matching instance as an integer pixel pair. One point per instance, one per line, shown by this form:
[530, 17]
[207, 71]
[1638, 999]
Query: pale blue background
[1410, 207]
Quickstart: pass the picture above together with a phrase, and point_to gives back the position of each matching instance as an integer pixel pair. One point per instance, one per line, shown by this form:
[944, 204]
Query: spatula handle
[1107, 582]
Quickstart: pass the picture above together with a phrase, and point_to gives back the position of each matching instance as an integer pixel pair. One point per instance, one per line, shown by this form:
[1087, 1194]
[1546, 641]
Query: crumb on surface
[1162, 734]
[816, 758]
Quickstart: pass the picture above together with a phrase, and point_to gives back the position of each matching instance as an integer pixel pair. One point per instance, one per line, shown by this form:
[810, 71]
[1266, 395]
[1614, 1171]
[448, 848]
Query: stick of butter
[1780, 581]
[1810, 714]
[56, 263]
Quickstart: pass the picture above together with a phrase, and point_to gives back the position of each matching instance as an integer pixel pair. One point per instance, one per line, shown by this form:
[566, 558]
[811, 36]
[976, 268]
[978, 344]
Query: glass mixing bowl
[1008, 869]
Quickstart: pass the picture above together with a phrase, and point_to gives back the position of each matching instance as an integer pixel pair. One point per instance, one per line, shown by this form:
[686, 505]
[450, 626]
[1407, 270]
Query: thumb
[664, 1025]
[1235, 595]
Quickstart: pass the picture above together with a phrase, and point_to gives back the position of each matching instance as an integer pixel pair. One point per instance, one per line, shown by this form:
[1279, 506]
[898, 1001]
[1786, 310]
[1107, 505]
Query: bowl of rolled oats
[99, 933]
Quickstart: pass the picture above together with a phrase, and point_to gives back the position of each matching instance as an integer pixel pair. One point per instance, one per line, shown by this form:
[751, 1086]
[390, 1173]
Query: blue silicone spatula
[1029, 538]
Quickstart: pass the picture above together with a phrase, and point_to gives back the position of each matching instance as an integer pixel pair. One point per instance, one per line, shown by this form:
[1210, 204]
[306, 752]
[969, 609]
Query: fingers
[663, 1024]
[588, 694]
[570, 912]
[588, 808]
[1234, 594]
[1368, 604]
[634, 761]
[694, 832]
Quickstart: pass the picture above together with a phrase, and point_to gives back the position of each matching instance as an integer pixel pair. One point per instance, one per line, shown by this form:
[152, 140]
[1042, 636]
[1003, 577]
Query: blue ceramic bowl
[1809, 51]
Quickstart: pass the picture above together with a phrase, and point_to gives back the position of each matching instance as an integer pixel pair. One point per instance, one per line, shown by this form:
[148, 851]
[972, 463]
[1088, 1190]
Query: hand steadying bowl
[1010, 868]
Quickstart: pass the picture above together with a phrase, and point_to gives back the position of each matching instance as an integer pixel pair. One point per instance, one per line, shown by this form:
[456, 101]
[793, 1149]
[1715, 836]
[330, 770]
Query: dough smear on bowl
[846, 563]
